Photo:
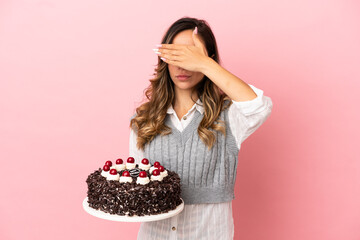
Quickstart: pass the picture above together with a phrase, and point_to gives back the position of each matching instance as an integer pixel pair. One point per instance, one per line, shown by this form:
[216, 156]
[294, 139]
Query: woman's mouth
[182, 77]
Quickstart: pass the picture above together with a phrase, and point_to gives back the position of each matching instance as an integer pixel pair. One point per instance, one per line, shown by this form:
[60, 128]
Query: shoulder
[133, 116]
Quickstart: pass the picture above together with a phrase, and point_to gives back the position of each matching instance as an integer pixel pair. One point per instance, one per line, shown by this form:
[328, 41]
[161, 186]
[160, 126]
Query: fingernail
[155, 49]
[195, 30]
[163, 59]
[158, 45]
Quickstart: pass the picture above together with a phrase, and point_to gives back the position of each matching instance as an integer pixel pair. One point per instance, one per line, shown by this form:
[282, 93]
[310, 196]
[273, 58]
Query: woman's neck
[183, 101]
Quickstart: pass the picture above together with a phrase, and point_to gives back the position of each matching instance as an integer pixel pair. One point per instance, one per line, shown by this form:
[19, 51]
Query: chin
[184, 85]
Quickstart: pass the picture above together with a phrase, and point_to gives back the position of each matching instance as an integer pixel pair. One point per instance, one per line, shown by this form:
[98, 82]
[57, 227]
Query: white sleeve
[134, 152]
[247, 116]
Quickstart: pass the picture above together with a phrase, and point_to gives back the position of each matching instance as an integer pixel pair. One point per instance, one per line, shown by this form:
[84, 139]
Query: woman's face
[184, 38]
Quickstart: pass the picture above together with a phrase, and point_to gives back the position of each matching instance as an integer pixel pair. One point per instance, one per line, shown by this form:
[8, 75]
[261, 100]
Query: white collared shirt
[211, 221]
[186, 119]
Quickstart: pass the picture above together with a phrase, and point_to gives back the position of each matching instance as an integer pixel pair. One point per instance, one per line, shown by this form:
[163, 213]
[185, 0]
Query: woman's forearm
[234, 87]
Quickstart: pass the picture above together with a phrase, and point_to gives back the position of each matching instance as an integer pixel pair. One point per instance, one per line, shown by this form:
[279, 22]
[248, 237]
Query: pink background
[72, 73]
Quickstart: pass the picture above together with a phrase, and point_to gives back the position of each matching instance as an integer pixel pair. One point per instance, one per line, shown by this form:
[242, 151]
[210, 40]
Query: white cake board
[134, 218]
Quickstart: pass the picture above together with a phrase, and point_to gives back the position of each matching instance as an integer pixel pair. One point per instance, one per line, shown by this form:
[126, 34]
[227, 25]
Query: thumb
[197, 40]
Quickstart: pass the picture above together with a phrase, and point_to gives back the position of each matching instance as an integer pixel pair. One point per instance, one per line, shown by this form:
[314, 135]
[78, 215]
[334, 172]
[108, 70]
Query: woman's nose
[181, 69]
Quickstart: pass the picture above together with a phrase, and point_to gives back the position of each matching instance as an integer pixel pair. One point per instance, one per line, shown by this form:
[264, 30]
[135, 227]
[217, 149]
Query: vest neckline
[189, 129]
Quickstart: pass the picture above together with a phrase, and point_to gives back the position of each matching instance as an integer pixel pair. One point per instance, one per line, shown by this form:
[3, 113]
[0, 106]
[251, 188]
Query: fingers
[171, 52]
[171, 46]
[170, 57]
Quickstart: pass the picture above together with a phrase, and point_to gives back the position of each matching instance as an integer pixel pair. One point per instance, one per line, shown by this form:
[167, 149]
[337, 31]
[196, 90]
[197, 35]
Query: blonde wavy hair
[150, 116]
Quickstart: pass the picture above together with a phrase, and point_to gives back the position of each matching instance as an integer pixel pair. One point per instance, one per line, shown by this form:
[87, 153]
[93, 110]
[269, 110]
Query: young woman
[196, 117]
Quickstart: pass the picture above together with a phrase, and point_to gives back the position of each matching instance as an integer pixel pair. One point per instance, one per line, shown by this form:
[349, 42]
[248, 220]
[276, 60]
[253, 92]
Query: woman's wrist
[208, 65]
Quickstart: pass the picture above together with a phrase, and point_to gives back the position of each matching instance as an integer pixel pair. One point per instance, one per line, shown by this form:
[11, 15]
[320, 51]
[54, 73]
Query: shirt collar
[198, 106]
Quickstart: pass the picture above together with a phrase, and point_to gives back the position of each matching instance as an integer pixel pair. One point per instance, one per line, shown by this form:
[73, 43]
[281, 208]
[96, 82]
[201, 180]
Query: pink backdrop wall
[72, 73]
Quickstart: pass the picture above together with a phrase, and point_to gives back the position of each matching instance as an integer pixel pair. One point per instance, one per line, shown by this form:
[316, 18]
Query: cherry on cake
[125, 177]
[113, 175]
[155, 166]
[119, 164]
[143, 178]
[163, 172]
[105, 171]
[156, 175]
[130, 163]
[145, 164]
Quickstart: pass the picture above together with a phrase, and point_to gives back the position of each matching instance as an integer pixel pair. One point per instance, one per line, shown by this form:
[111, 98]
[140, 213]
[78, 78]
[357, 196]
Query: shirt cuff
[251, 106]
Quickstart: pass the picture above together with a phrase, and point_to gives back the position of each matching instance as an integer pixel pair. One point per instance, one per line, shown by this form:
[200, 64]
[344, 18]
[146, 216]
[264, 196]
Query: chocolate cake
[133, 189]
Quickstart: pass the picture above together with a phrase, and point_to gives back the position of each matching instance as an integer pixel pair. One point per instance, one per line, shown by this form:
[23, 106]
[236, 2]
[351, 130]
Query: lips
[182, 77]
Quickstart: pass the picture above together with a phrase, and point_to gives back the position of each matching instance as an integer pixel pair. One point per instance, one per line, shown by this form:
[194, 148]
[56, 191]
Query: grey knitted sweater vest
[207, 176]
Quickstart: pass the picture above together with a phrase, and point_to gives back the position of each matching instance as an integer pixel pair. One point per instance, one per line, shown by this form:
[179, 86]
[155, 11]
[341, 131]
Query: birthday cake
[130, 189]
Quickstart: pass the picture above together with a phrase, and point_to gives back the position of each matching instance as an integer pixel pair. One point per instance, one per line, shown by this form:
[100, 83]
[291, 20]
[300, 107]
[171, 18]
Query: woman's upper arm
[247, 116]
